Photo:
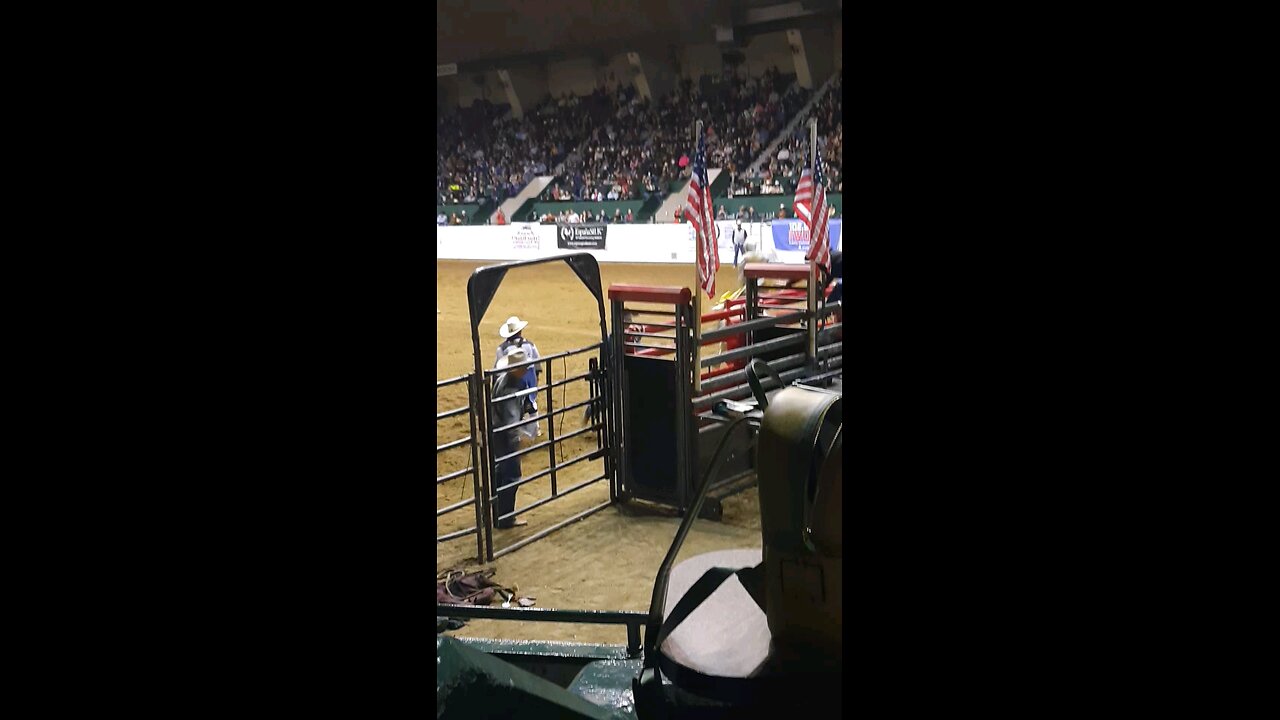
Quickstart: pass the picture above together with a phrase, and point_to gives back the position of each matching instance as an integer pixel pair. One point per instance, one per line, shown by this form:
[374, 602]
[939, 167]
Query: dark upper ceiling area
[471, 31]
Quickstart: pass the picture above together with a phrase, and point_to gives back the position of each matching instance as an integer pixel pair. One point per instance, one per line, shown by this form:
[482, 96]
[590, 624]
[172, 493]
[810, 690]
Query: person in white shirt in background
[739, 238]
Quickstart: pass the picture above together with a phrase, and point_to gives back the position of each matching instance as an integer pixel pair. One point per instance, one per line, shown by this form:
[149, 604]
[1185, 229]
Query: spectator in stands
[721, 214]
[441, 219]
[782, 211]
[464, 218]
[500, 218]
[617, 215]
[574, 217]
[453, 219]
[630, 217]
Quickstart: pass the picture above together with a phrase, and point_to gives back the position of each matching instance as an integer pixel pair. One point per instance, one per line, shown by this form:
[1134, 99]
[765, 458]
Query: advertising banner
[586, 236]
[525, 237]
[793, 236]
[645, 243]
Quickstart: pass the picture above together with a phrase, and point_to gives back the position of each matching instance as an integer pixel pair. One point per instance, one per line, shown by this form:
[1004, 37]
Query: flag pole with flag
[699, 212]
[811, 203]
[811, 208]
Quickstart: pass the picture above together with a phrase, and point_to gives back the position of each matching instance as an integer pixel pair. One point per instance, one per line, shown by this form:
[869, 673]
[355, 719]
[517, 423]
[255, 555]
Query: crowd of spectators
[588, 215]
[453, 218]
[611, 144]
[748, 213]
[638, 149]
[781, 173]
[487, 154]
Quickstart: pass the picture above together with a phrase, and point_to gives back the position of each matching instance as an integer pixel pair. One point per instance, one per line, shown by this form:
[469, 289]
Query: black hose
[753, 378]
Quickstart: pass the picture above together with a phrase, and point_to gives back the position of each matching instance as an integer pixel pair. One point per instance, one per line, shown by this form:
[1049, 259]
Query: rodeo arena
[639, 378]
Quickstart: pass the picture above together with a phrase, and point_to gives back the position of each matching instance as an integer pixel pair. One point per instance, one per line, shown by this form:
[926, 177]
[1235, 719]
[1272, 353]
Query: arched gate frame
[481, 288]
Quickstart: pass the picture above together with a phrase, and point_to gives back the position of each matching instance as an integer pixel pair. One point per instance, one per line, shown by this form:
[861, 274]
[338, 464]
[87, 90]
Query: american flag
[811, 207]
[698, 211]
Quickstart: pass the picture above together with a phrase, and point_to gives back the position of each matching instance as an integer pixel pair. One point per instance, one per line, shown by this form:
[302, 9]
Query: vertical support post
[697, 291]
[613, 374]
[595, 389]
[813, 260]
[551, 432]
[482, 508]
[690, 432]
[812, 313]
[481, 414]
[486, 458]
[697, 340]
[633, 640]
[683, 382]
[604, 419]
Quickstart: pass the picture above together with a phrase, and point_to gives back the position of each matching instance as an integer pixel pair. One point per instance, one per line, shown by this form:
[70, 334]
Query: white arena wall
[644, 243]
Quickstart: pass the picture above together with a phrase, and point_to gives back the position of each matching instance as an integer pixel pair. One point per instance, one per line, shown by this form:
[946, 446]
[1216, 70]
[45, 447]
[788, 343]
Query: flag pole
[813, 227]
[697, 287]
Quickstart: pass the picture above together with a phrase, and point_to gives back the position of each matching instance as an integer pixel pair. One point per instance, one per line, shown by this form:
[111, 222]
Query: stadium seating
[766, 206]
[476, 213]
[641, 210]
[605, 137]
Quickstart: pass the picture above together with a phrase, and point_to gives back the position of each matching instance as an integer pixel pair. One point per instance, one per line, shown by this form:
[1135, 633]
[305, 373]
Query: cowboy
[507, 409]
[512, 334]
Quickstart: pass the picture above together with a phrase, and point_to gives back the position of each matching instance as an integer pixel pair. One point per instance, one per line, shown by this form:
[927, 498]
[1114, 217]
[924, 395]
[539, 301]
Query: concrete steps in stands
[790, 129]
[531, 191]
[675, 201]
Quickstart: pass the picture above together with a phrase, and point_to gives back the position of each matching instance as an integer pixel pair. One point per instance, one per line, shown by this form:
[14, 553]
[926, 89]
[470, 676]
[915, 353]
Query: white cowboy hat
[514, 355]
[512, 326]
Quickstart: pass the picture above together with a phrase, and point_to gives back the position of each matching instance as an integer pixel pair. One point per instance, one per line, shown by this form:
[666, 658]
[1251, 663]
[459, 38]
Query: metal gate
[466, 446]
[481, 288]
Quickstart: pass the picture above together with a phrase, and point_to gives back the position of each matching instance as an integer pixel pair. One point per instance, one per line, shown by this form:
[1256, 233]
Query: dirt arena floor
[608, 560]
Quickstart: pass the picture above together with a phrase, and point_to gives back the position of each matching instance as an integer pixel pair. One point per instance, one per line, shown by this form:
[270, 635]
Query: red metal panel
[776, 270]
[650, 293]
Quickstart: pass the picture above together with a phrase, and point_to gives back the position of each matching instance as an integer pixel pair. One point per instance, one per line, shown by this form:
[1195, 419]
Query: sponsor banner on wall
[793, 236]
[645, 243]
[725, 241]
[586, 236]
[525, 237]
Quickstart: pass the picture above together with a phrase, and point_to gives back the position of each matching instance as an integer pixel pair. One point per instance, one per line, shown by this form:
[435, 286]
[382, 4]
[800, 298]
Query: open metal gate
[481, 287]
